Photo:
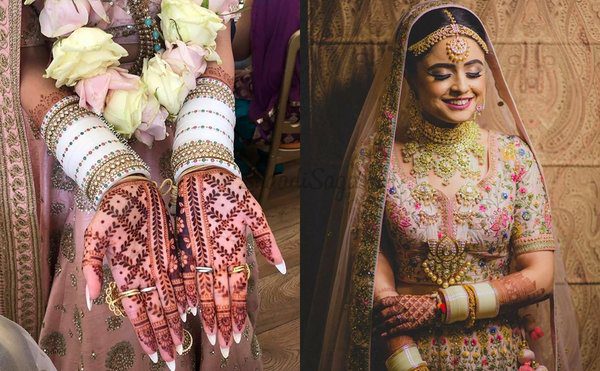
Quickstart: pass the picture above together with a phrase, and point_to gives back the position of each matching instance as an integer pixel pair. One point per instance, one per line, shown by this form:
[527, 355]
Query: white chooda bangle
[204, 133]
[457, 303]
[89, 151]
[406, 358]
[487, 301]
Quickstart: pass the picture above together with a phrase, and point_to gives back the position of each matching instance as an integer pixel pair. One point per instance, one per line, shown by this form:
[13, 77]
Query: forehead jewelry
[456, 48]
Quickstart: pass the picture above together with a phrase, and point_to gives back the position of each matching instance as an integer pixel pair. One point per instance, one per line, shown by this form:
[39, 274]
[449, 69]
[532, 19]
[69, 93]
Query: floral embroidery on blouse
[512, 217]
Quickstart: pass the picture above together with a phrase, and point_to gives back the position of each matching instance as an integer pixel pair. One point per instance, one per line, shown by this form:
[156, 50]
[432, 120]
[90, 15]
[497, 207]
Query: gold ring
[241, 268]
[129, 293]
[188, 340]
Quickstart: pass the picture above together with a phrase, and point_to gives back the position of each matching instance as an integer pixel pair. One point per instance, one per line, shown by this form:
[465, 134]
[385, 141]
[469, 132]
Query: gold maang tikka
[457, 47]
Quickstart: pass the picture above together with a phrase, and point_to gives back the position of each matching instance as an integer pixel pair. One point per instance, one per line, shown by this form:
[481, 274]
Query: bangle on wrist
[205, 130]
[487, 300]
[407, 358]
[457, 303]
[88, 149]
[472, 305]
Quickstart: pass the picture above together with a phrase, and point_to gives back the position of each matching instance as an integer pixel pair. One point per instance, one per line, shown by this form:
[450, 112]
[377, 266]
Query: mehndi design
[132, 229]
[402, 313]
[215, 212]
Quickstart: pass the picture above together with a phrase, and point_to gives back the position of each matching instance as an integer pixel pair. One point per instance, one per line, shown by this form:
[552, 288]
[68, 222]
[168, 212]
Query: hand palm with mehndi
[131, 227]
[215, 213]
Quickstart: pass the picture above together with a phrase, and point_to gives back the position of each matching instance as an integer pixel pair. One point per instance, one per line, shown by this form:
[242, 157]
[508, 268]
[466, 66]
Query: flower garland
[87, 59]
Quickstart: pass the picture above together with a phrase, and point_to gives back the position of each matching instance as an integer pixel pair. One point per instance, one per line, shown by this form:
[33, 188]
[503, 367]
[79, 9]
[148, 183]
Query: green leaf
[205, 4]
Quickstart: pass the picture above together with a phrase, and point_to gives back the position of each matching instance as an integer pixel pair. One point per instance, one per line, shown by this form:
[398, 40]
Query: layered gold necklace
[445, 152]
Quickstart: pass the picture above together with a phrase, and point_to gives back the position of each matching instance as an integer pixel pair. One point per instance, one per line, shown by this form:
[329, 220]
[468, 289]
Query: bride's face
[448, 93]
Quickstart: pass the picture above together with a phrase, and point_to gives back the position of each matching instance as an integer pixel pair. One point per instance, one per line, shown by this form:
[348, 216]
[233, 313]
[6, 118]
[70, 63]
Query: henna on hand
[517, 288]
[215, 210]
[131, 227]
[402, 313]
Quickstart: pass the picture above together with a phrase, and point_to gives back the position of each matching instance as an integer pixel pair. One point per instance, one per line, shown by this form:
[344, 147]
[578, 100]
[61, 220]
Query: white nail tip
[237, 337]
[179, 349]
[281, 267]
[194, 310]
[212, 339]
[183, 316]
[88, 301]
[171, 365]
[153, 357]
[225, 352]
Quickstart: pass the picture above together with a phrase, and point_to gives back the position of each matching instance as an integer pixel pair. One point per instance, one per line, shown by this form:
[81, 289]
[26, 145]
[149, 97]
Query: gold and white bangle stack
[205, 129]
[89, 151]
[457, 303]
[406, 358]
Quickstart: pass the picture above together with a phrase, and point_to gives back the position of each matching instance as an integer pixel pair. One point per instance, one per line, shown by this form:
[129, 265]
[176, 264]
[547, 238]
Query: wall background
[550, 54]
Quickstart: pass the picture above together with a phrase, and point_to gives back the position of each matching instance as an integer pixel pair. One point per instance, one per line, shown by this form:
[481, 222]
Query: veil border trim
[20, 274]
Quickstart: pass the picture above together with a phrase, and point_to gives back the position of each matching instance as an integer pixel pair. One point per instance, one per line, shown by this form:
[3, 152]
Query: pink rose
[93, 91]
[153, 123]
[186, 61]
[60, 17]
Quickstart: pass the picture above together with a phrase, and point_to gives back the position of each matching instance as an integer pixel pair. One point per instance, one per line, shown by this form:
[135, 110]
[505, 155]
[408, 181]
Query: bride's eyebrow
[474, 61]
[441, 65]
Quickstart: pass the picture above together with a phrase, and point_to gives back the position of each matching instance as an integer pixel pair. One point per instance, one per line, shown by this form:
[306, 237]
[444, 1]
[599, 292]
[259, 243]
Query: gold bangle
[472, 305]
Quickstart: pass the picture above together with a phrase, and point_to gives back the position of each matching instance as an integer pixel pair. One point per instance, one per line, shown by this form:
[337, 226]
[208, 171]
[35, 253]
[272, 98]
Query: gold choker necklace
[444, 150]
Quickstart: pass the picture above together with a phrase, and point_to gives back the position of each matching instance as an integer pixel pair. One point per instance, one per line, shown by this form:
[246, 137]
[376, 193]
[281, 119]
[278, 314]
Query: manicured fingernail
[179, 349]
[153, 357]
[281, 267]
[237, 337]
[212, 339]
[171, 365]
[88, 301]
[225, 352]
[194, 310]
[183, 316]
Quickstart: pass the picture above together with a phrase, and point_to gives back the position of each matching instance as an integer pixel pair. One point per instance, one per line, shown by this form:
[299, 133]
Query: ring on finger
[148, 289]
[204, 270]
[241, 268]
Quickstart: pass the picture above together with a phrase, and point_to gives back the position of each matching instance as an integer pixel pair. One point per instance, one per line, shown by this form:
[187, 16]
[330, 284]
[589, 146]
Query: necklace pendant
[446, 262]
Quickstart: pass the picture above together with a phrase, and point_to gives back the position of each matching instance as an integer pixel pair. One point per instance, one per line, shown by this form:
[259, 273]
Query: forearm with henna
[518, 289]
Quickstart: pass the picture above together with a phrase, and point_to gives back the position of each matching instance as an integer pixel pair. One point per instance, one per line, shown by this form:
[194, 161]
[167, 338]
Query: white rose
[189, 22]
[161, 81]
[124, 109]
[87, 52]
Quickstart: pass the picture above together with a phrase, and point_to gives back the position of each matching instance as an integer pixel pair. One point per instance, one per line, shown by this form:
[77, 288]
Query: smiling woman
[446, 237]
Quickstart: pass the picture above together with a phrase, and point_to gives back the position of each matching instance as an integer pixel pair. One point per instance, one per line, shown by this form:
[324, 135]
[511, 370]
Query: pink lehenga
[512, 218]
[45, 215]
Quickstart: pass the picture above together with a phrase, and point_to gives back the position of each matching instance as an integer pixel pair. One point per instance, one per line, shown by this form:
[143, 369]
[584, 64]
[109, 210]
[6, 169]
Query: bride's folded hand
[131, 227]
[215, 213]
[398, 314]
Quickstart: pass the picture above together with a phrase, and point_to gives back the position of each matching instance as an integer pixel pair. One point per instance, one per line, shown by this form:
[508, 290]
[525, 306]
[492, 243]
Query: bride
[446, 251]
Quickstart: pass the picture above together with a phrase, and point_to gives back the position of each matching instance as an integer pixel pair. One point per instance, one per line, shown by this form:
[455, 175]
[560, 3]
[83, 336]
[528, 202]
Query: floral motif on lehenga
[510, 219]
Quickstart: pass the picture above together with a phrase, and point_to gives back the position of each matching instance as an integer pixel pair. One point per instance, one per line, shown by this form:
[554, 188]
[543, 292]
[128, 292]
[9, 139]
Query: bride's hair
[434, 20]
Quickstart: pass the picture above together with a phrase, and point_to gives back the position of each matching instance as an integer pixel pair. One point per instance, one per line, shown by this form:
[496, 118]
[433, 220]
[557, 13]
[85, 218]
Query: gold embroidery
[255, 347]
[54, 343]
[77, 316]
[57, 208]
[120, 357]
[73, 280]
[113, 323]
[164, 165]
[67, 244]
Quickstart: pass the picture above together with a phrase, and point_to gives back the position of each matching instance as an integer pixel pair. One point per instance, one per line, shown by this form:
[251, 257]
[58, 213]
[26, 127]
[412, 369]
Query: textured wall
[550, 53]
